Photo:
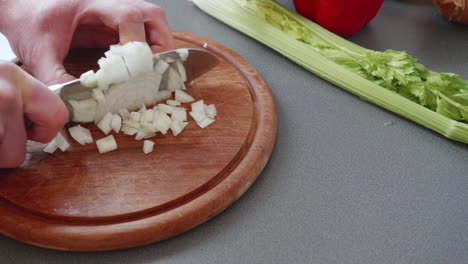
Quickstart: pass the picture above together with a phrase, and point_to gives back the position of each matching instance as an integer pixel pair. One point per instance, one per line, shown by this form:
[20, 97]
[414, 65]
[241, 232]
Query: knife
[198, 63]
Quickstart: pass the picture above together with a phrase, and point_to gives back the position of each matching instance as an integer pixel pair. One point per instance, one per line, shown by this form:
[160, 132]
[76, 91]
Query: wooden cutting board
[83, 201]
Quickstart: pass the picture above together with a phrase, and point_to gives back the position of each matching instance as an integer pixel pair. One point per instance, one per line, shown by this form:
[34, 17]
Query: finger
[132, 31]
[45, 109]
[12, 131]
[41, 106]
[159, 34]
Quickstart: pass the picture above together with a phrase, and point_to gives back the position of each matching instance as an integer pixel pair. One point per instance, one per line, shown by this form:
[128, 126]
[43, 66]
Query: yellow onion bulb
[454, 10]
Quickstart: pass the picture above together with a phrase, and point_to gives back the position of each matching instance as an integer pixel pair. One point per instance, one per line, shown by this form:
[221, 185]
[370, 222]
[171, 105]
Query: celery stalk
[393, 80]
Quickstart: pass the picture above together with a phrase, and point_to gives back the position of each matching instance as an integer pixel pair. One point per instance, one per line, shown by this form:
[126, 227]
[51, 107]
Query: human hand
[42, 32]
[23, 96]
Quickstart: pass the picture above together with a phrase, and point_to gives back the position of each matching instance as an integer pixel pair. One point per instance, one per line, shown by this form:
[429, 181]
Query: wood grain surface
[83, 201]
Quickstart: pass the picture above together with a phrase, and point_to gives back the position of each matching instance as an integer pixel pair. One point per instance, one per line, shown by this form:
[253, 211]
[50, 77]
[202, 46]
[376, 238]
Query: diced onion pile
[131, 78]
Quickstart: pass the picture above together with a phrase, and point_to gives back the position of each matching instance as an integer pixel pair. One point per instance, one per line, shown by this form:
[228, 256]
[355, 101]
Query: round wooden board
[82, 201]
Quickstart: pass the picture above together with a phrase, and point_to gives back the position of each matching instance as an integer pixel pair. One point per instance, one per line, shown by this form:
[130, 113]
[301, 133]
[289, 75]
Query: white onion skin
[454, 10]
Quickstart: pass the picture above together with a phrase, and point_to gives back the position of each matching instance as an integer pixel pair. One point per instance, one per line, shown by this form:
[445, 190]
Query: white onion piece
[147, 117]
[103, 80]
[198, 117]
[114, 68]
[98, 95]
[162, 122]
[210, 111]
[179, 115]
[132, 123]
[198, 107]
[124, 113]
[163, 95]
[135, 116]
[81, 135]
[183, 54]
[161, 67]
[116, 123]
[51, 147]
[106, 144]
[183, 97]
[129, 130]
[144, 133]
[108, 54]
[142, 109]
[62, 143]
[137, 55]
[173, 103]
[177, 127]
[181, 70]
[169, 59]
[105, 123]
[84, 110]
[88, 79]
[164, 108]
[205, 122]
[148, 146]
[174, 82]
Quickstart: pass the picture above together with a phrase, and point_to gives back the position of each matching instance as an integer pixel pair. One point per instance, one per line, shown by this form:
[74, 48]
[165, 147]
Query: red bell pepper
[343, 17]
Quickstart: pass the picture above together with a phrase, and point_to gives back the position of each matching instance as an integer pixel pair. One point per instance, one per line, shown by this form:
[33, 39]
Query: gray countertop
[341, 186]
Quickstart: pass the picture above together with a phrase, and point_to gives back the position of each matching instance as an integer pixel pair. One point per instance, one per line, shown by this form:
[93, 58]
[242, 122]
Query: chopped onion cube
[84, 110]
[173, 103]
[163, 95]
[177, 127]
[183, 97]
[162, 123]
[179, 115]
[183, 54]
[135, 116]
[142, 109]
[205, 122]
[114, 68]
[103, 79]
[116, 123]
[147, 117]
[161, 67]
[137, 56]
[132, 123]
[128, 130]
[198, 107]
[61, 142]
[169, 59]
[88, 79]
[98, 95]
[108, 54]
[105, 123]
[144, 133]
[164, 108]
[81, 135]
[174, 81]
[106, 144]
[205, 45]
[51, 147]
[148, 146]
[198, 117]
[124, 113]
[211, 111]
[181, 70]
